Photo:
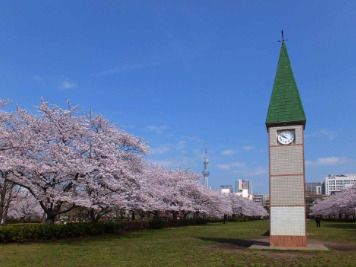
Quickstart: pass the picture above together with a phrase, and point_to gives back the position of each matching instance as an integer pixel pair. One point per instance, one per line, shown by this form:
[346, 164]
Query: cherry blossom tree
[47, 162]
[179, 191]
[24, 206]
[160, 190]
[116, 159]
[65, 160]
[6, 195]
[337, 205]
[7, 187]
[167, 190]
[245, 207]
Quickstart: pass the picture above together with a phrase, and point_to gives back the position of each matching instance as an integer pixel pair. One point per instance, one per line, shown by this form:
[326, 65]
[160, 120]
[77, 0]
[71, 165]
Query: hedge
[36, 232]
[156, 223]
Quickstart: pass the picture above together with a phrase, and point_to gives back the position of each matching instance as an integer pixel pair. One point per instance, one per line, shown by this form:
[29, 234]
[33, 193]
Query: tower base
[287, 241]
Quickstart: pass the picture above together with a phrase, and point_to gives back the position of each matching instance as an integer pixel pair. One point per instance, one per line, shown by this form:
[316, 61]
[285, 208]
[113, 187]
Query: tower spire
[285, 105]
[205, 171]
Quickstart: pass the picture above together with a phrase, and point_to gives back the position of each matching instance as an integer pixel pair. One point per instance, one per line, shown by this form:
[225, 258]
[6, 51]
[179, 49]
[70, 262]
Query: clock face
[285, 137]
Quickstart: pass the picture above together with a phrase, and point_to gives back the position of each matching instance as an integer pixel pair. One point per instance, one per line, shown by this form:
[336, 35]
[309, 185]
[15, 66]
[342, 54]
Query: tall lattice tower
[205, 171]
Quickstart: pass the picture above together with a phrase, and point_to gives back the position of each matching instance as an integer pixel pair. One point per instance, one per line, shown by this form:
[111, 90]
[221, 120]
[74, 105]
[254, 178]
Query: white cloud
[125, 67]
[66, 85]
[157, 129]
[128, 126]
[168, 163]
[330, 161]
[323, 134]
[248, 148]
[228, 152]
[243, 169]
[181, 146]
[256, 171]
[231, 165]
[327, 161]
[160, 150]
[308, 162]
[178, 162]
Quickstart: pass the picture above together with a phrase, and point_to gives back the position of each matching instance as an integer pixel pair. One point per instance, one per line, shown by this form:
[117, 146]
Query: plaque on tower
[285, 124]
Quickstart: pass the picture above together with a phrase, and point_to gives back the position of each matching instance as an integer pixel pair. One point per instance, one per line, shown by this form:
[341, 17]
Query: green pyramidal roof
[285, 106]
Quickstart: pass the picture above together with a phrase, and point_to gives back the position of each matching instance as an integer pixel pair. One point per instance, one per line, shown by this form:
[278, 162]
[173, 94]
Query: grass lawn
[208, 245]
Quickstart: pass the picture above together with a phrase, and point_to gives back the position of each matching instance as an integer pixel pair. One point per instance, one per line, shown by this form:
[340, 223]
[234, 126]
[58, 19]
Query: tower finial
[282, 40]
[282, 36]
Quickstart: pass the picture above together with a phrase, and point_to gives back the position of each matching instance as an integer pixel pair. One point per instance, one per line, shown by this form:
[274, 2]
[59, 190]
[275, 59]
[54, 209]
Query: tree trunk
[174, 213]
[50, 219]
[133, 215]
[122, 213]
[156, 215]
[92, 216]
[6, 188]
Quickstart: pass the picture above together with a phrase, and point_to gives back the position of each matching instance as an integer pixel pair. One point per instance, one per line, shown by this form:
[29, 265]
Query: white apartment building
[338, 182]
[245, 194]
[242, 184]
[226, 189]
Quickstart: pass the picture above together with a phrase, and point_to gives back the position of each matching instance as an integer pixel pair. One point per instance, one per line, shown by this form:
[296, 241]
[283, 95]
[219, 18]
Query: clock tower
[285, 124]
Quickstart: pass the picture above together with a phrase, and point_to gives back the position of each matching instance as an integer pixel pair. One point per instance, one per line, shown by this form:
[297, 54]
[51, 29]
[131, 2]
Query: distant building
[338, 182]
[313, 188]
[262, 199]
[266, 202]
[226, 189]
[243, 188]
[241, 185]
[244, 193]
[258, 199]
[313, 192]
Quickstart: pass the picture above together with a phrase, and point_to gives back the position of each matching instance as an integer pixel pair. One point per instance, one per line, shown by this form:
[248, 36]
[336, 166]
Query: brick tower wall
[287, 189]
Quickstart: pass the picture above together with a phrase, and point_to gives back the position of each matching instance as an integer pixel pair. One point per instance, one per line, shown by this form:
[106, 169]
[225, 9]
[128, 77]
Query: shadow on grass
[238, 243]
[266, 233]
[347, 226]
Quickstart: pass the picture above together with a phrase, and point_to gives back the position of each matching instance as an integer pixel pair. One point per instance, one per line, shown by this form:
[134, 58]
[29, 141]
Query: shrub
[34, 232]
[135, 225]
[157, 224]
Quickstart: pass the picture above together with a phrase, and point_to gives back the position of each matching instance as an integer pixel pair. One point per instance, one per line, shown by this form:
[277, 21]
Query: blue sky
[185, 74]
